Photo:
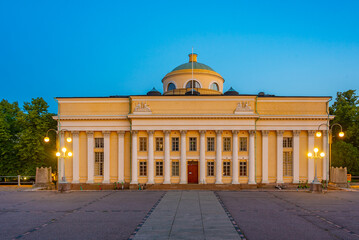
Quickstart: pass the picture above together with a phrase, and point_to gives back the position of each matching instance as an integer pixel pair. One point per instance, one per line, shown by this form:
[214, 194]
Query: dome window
[171, 86]
[195, 84]
[214, 86]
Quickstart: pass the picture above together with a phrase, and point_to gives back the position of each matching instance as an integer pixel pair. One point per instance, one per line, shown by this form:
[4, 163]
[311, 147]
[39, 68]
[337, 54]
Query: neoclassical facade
[193, 133]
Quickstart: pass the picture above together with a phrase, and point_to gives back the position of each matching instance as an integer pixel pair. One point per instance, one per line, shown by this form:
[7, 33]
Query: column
[183, 171]
[252, 168]
[218, 157]
[326, 158]
[62, 177]
[235, 167]
[296, 134]
[280, 156]
[265, 156]
[310, 161]
[167, 162]
[90, 157]
[106, 163]
[202, 157]
[75, 157]
[121, 156]
[134, 170]
[150, 158]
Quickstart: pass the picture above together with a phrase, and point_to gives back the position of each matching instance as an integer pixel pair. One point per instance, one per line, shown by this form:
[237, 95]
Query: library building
[197, 131]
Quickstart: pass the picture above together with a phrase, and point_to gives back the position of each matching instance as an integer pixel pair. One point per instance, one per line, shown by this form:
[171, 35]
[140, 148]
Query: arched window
[195, 84]
[171, 86]
[214, 86]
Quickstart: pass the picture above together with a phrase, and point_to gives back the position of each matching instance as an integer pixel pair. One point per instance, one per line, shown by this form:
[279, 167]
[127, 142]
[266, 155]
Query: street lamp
[63, 154]
[315, 185]
[330, 140]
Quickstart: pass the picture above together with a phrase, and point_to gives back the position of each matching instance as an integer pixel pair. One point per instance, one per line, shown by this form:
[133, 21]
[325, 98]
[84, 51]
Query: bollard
[18, 180]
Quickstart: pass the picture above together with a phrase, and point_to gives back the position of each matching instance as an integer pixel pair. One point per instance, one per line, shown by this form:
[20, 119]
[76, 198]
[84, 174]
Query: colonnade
[202, 157]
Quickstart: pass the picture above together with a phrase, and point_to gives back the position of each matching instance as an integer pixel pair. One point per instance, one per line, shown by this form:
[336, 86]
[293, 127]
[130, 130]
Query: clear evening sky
[103, 48]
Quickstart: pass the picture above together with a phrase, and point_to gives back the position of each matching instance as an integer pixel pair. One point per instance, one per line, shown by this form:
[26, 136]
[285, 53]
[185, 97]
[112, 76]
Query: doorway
[192, 172]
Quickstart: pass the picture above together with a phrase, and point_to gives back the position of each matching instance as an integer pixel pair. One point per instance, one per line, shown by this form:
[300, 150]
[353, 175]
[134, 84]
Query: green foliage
[21, 137]
[345, 152]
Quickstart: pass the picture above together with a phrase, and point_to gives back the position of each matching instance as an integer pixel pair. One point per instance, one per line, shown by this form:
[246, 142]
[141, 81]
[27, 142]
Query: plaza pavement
[178, 215]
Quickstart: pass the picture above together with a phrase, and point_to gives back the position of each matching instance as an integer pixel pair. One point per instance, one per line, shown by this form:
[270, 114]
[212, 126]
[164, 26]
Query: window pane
[214, 86]
[243, 144]
[99, 143]
[195, 84]
[171, 86]
[227, 144]
[193, 144]
[175, 144]
[210, 168]
[159, 168]
[287, 142]
[143, 168]
[226, 168]
[210, 144]
[143, 144]
[98, 168]
[175, 168]
[243, 168]
[288, 163]
[159, 144]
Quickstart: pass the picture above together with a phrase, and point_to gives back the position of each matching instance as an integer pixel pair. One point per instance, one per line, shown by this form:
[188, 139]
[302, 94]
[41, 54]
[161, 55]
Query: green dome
[196, 65]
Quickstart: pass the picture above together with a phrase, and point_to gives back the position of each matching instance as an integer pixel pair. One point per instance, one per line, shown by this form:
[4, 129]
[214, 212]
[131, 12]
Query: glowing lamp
[341, 134]
[316, 150]
[318, 134]
[322, 154]
[64, 149]
[310, 155]
[58, 154]
[70, 154]
[47, 139]
[69, 139]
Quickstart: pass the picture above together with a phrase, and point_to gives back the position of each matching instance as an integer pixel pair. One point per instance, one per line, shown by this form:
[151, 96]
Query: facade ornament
[251, 132]
[121, 133]
[75, 133]
[265, 132]
[89, 133]
[311, 133]
[280, 132]
[243, 107]
[183, 132]
[106, 133]
[235, 131]
[202, 131]
[134, 132]
[167, 132]
[296, 133]
[142, 108]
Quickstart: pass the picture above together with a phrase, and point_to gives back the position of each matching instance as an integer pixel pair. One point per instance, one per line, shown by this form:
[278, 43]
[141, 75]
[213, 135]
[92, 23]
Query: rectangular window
[227, 144]
[243, 144]
[287, 142]
[159, 144]
[210, 169]
[288, 164]
[243, 168]
[159, 168]
[193, 144]
[175, 144]
[175, 168]
[226, 169]
[210, 144]
[143, 168]
[98, 170]
[99, 143]
[143, 144]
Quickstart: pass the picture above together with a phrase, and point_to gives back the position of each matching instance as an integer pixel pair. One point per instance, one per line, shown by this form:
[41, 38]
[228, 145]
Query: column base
[218, 182]
[280, 181]
[106, 181]
[167, 182]
[295, 181]
[183, 182]
[89, 181]
[235, 182]
[75, 181]
[150, 182]
[134, 182]
[121, 180]
[252, 182]
[265, 182]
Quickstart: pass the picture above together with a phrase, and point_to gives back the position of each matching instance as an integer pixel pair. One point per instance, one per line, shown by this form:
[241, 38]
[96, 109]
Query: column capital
[325, 133]
[106, 133]
[202, 132]
[296, 133]
[167, 132]
[235, 131]
[265, 133]
[121, 132]
[280, 132]
[150, 132]
[251, 132]
[219, 132]
[183, 132]
[89, 133]
[311, 133]
[134, 132]
[75, 133]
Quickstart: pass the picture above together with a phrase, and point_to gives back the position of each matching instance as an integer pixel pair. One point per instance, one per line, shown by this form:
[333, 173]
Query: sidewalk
[188, 215]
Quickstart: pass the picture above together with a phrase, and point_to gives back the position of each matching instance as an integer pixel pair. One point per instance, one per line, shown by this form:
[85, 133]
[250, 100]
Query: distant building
[192, 133]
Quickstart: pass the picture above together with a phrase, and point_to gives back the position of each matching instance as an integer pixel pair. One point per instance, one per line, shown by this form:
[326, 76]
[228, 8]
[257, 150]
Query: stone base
[64, 187]
[47, 186]
[316, 187]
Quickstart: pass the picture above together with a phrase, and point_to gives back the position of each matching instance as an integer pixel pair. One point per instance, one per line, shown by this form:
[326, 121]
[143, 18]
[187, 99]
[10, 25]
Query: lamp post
[63, 154]
[330, 140]
[316, 185]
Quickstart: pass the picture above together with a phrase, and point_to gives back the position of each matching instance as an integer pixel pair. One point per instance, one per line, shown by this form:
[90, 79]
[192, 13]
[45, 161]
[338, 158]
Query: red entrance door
[192, 169]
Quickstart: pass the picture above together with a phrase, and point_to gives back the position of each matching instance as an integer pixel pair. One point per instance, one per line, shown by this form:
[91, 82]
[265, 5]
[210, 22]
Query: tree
[22, 148]
[345, 152]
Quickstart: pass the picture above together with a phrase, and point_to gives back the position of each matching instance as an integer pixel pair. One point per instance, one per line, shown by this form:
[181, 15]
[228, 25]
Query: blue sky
[103, 48]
